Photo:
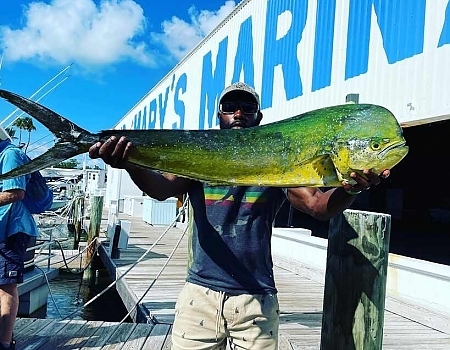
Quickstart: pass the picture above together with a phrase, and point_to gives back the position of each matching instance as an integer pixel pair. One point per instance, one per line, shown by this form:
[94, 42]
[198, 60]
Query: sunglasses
[245, 107]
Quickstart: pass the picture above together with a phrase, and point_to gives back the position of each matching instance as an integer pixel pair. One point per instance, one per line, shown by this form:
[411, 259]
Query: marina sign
[304, 55]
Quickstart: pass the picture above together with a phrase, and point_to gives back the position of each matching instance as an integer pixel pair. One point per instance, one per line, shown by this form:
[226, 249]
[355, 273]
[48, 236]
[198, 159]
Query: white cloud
[90, 35]
[67, 31]
[179, 36]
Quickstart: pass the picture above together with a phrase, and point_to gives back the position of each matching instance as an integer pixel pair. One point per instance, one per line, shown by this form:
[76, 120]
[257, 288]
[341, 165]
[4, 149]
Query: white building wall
[304, 55]
[95, 181]
[119, 185]
[407, 62]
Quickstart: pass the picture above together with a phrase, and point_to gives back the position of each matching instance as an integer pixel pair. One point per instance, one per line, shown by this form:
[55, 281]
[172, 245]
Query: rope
[69, 260]
[50, 290]
[70, 270]
[80, 271]
[157, 276]
[133, 265]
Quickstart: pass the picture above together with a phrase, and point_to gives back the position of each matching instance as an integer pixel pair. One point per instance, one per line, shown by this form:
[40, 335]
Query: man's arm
[11, 196]
[160, 186]
[326, 205]
[157, 185]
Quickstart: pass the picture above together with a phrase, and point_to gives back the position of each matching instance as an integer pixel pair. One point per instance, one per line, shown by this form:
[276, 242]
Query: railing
[41, 244]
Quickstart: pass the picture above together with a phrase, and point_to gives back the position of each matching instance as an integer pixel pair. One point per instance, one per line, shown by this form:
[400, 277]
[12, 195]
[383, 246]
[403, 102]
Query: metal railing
[40, 246]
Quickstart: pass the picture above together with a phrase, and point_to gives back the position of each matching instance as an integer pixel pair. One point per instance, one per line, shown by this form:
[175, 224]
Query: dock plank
[119, 336]
[69, 333]
[99, 335]
[158, 337]
[37, 334]
[80, 336]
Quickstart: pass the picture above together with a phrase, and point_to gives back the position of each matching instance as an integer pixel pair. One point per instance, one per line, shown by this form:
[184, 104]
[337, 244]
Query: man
[230, 290]
[16, 227]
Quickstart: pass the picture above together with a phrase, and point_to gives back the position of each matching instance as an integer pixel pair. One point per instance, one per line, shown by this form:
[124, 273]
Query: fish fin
[60, 152]
[68, 134]
[61, 127]
[317, 172]
[326, 171]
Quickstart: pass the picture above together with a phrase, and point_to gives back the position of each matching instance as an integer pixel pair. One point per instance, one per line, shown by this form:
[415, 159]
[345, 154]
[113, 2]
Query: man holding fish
[230, 292]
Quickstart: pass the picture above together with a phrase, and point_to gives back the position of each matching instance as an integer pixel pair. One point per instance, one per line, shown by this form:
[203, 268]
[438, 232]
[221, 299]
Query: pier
[300, 293]
[149, 290]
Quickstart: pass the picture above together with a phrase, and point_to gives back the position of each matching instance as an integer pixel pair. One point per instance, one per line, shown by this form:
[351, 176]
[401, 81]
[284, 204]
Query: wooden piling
[115, 252]
[93, 233]
[77, 215]
[355, 281]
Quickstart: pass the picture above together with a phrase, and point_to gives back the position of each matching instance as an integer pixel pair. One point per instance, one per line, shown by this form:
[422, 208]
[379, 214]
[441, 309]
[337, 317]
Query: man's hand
[114, 151]
[363, 183]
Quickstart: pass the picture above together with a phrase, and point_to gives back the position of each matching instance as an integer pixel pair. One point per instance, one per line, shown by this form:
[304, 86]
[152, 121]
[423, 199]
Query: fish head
[377, 144]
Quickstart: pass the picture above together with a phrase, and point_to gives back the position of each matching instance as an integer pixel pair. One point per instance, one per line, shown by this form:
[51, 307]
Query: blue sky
[98, 58]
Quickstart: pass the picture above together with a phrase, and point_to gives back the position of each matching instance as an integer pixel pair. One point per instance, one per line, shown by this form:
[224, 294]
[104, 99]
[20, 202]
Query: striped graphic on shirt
[228, 195]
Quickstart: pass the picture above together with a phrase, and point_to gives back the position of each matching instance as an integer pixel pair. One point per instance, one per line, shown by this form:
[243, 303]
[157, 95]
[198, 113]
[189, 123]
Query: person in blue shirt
[230, 292]
[16, 227]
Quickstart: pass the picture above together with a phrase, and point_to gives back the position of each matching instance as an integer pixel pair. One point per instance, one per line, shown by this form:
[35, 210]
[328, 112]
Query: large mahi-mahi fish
[318, 148]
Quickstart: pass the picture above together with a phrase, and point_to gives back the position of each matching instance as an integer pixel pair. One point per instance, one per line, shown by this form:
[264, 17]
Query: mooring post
[79, 227]
[355, 281]
[76, 221]
[94, 231]
[115, 252]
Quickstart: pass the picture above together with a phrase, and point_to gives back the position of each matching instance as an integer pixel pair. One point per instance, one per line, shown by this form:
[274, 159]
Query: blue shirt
[14, 217]
[230, 230]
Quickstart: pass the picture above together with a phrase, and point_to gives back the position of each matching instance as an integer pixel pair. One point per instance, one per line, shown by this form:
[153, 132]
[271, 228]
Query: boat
[58, 203]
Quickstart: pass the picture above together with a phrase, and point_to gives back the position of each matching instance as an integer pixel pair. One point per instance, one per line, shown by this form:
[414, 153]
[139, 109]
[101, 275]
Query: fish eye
[375, 146]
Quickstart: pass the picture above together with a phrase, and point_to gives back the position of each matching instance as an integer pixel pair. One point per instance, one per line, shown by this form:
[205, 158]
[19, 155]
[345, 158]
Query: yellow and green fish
[318, 148]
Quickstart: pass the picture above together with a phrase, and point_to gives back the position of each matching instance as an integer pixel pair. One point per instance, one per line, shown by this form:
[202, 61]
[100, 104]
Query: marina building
[305, 55]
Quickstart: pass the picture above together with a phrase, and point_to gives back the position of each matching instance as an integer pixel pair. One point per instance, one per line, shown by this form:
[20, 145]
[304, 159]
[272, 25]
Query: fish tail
[58, 153]
[61, 127]
[69, 135]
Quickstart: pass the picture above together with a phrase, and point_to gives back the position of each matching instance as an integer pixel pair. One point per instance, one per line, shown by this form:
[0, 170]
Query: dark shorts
[12, 254]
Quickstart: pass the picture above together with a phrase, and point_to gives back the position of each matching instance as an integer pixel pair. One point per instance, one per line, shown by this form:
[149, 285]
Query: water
[70, 293]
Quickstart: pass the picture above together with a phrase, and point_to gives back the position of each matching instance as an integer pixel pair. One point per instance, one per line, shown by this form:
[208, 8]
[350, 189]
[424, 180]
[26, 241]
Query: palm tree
[28, 126]
[25, 123]
[19, 123]
[11, 132]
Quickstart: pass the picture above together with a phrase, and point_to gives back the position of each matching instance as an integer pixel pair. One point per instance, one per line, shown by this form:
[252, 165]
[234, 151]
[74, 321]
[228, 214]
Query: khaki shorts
[205, 319]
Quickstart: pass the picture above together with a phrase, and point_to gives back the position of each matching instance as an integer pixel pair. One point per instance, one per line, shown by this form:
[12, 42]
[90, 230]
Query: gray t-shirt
[229, 237]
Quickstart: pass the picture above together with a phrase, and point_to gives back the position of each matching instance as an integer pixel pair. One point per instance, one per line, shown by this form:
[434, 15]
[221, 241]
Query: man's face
[239, 110]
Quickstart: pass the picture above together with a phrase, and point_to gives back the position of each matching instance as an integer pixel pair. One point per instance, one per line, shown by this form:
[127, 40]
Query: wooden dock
[43, 334]
[300, 305]
[300, 298]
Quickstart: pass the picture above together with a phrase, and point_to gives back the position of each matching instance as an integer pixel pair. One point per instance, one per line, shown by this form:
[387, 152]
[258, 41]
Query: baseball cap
[240, 86]
[4, 135]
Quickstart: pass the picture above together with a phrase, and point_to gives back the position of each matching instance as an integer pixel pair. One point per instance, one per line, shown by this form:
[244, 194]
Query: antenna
[40, 97]
[1, 62]
[39, 90]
